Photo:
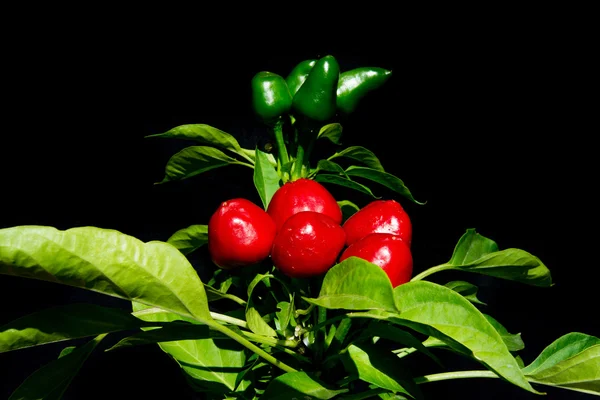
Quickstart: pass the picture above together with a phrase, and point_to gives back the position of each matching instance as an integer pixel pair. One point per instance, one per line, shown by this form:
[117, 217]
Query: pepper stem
[282, 154]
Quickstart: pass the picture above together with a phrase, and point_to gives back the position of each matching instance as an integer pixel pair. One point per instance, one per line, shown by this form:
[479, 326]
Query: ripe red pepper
[379, 216]
[302, 195]
[388, 251]
[240, 233]
[307, 245]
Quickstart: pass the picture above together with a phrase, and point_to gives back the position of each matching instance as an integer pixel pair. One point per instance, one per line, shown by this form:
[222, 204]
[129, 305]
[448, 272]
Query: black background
[492, 127]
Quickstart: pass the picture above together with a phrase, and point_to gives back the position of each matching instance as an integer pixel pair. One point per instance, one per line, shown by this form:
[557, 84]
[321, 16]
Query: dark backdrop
[493, 131]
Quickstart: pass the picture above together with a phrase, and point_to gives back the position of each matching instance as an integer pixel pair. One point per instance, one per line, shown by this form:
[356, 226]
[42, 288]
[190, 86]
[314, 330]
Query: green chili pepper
[355, 84]
[316, 98]
[298, 75]
[271, 97]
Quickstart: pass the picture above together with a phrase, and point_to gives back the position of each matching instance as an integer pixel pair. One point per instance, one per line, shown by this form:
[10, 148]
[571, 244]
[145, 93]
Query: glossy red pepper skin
[379, 216]
[307, 245]
[240, 233]
[387, 251]
[302, 195]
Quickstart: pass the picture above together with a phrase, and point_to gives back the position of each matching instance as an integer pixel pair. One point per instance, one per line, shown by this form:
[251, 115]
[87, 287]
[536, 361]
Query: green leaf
[512, 341]
[171, 332]
[195, 160]
[284, 316]
[570, 362]
[466, 289]
[52, 380]
[471, 247]
[204, 134]
[561, 349]
[356, 284]
[189, 239]
[383, 178]
[257, 324]
[345, 182]
[108, 262]
[360, 154]
[380, 368]
[64, 323]
[66, 351]
[212, 364]
[332, 132]
[330, 166]
[440, 312]
[298, 385]
[348, 209]
[266, 179]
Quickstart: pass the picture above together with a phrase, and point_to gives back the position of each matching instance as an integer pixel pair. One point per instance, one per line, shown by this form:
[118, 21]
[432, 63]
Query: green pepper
[355, 84]
[298, 75]
[271, 97]
[316, 98]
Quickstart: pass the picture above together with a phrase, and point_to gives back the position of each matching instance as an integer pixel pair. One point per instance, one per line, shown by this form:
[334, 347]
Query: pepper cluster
[302, 232]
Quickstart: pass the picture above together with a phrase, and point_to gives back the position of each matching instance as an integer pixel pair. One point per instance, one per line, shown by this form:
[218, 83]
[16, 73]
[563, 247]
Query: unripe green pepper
[355, 84]
[298, 75]
[316, 98]
[271, 97]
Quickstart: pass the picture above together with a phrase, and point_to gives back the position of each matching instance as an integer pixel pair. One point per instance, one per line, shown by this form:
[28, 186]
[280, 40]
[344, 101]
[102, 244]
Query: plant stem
[251, 346]
[230, 320]
[430, 271]
[270, 341]
[299, 163]
[282, 154]
[455, 375]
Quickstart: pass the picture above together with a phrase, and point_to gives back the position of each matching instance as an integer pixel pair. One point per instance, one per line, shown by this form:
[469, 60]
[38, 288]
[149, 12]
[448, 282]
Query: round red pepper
[308, 244]
[240, 233]
[388, 251]
[379, 216]
[302, 195]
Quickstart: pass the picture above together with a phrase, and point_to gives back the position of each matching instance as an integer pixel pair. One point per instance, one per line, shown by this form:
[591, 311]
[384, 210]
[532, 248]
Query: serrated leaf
[360, 154]
[300, 385]
[388, 180]
[356, 284]
[465, 289]
[64, 323]
[52, 380]
[380, 368]
[474, 253]
[189, 239]
[204, 134]
[211, 364]
[108, 262]
[345, 182]
[333, 132]
[195, 160]
[266, 178]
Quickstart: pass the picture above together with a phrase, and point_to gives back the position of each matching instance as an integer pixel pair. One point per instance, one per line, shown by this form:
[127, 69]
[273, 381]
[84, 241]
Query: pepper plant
[308, 296]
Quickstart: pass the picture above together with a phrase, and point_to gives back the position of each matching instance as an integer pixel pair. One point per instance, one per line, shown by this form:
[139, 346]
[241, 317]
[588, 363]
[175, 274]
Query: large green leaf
[64, 323]
[345, 182]
[211, 364]
[298, 385]
[205, 134]
[195, 160]
[442, 313]
[356, 284]
[360, 154]
[475, 253]
[266, 178]
[383, 178]
[330, 166]
[570, 362]
[52, 380]
[189, 239]
[380, 368]
[108, 262]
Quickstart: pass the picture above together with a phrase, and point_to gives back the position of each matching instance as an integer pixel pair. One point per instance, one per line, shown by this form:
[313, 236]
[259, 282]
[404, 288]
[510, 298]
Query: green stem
[251, 346]
[430, 271]
[244, 164]
[282, 154]
[230, 320]
[270, 341]
[305, 312]
[299, 163]
[455, 375]
[404, 352]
